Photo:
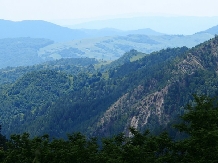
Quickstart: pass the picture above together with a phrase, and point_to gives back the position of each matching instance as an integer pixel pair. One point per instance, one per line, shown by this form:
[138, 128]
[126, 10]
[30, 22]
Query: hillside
[29, 50]
[72, 66]
[212, 30]
[161, 97]
[34, 42]
[113, 47]
[146, 93]
[21, 51]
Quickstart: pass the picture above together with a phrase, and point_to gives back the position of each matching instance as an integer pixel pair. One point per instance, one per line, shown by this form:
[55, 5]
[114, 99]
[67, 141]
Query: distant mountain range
[57, 33]
[43, 29]
[186, 25]
[33, 42]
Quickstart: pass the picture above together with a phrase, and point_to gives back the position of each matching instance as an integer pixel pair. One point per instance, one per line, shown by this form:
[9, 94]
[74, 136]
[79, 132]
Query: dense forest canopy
[197, 144]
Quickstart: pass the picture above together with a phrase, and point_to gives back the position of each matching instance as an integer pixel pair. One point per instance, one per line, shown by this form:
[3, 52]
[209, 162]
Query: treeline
[198, 130]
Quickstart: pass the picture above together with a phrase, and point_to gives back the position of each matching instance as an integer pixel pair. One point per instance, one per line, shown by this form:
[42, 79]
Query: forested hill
[21, 51]
[163, 90]
[71, 66]
[146, 93]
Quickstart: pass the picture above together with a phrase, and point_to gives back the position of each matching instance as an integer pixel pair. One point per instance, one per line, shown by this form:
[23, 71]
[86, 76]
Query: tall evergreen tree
[200, 123]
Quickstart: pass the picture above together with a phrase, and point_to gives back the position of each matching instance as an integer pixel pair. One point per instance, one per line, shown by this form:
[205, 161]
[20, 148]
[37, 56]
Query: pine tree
[200, 123]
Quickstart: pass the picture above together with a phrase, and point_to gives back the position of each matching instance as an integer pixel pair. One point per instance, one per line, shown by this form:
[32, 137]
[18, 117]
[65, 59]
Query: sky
[17, 10]
[73, 12]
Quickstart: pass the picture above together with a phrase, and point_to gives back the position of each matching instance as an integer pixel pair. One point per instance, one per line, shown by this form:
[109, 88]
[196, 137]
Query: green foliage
[66, 96]
[31, 94]
[126, 58]
[200, 123]
[21, 148]
[73, 66]
[148, 62]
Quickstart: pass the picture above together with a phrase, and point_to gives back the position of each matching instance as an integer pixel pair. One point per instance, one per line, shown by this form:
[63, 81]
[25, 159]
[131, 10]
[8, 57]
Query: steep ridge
[141, 109]
[134, 109]
[90, 95]
[147, 93]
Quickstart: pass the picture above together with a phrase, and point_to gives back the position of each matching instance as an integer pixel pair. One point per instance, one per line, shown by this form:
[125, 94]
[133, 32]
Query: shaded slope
[22, 100]
[157, 102]
[92, 95]
[21, 51]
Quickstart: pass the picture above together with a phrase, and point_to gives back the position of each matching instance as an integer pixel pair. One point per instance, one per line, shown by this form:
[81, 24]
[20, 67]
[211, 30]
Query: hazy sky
[99, 9]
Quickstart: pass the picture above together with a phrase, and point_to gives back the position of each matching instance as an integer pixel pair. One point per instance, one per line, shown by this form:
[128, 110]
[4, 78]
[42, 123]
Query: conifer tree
[200, 123]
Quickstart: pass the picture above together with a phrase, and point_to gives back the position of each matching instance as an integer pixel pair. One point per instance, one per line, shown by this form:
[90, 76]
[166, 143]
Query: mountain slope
[29, 94]
[193, 72]
[21, 51]
[79, 43]
[212, 30]
[146, 93]
[73, 66]
[146, 97]
[113, 47]
[88, 90]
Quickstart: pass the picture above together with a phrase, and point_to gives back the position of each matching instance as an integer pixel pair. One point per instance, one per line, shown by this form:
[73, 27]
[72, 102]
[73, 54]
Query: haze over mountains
[43, 29]
[62, 42]
[136, 25]
[112, 81]
[186, 25]
[99, 81]
[80, 94]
